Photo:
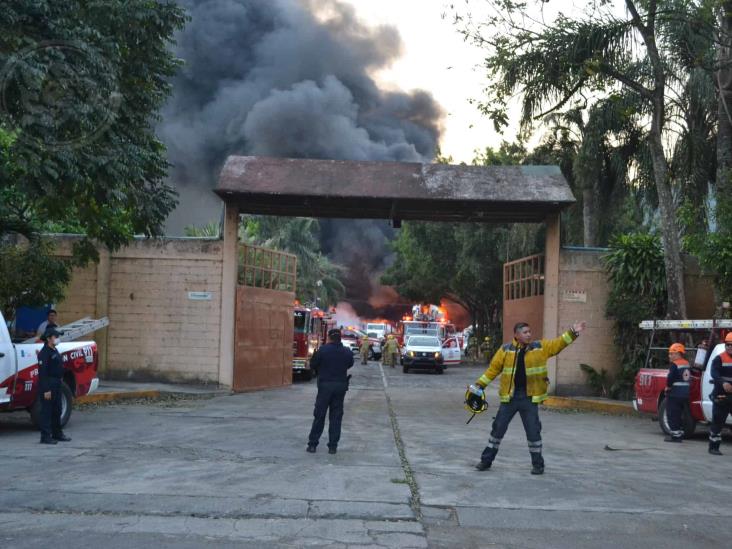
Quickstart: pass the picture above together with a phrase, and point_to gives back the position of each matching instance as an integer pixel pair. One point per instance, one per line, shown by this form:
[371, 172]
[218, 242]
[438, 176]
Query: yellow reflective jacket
[537, 353]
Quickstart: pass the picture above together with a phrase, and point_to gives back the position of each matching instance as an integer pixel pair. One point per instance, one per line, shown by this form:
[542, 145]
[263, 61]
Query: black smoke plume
[291, 78]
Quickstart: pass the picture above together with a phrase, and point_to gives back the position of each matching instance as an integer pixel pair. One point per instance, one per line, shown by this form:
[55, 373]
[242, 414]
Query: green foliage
[598, 381]
[31, 276]
[82, 83]
[209, 230]
[463, 262]
[637, 276]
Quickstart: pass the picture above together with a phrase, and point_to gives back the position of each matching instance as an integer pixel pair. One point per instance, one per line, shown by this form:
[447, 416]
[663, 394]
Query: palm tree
[575, 62]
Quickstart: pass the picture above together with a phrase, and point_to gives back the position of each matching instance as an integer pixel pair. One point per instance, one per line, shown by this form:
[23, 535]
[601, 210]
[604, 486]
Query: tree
[460, 261]
[580, 60]
[81, 85]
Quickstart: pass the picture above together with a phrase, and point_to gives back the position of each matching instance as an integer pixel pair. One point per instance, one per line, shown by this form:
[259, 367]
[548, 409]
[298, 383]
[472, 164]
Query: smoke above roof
[290, 78]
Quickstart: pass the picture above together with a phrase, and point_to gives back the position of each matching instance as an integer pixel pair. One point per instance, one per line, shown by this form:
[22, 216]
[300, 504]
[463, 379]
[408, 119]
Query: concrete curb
[589, 405]
[115, 396]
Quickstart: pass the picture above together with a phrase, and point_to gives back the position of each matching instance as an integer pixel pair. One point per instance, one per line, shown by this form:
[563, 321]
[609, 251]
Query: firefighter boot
[487, 457]
[537, 464]
[714, 448]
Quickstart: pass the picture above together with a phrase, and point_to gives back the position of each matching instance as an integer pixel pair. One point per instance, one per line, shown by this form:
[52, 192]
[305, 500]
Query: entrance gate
[367, 190]
[265, 297]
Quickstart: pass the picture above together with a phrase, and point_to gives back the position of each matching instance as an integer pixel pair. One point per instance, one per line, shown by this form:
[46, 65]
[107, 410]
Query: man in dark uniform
[677, 390]
[50, 374]
[331, 362]
[721, 395]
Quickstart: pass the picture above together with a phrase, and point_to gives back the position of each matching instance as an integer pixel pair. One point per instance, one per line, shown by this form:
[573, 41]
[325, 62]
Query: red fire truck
[311, 327]
[650, 382]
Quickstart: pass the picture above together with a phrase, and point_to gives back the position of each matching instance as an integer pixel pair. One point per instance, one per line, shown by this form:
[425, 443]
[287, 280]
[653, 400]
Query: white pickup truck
[19, 369]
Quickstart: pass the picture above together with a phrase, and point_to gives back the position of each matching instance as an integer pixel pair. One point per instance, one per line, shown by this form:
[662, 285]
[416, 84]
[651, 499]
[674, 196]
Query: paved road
[232, 471]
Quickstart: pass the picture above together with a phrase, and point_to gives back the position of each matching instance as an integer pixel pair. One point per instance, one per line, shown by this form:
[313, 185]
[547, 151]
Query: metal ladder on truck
[80, 328]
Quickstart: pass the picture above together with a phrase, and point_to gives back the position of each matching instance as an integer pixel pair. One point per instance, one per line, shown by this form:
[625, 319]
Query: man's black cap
[50, 332]
[335, 333]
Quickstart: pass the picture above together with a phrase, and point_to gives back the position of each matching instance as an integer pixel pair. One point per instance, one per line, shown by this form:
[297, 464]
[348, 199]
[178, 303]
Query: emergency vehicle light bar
[685, 324]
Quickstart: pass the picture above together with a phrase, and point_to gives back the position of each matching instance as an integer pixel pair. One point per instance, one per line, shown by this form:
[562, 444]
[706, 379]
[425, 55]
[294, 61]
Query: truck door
[8, 366]
[451, 351]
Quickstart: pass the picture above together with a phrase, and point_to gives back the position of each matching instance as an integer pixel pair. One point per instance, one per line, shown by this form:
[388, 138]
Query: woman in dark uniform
[50, 374]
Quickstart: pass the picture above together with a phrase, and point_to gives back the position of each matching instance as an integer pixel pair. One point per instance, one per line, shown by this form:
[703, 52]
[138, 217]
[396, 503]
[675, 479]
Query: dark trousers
[330, 398]
[720, 411]
[529, 412]
[50, 414]
[674, 412]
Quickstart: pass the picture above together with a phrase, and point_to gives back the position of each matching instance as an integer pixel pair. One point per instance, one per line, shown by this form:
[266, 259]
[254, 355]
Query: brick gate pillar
[551, 290]
[228, 294]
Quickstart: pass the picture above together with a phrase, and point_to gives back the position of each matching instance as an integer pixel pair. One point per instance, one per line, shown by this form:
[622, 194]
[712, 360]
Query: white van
[376, 330]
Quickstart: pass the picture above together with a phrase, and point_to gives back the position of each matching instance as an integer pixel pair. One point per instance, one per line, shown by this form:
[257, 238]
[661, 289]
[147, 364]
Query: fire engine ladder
[659, 325]
[80, 328]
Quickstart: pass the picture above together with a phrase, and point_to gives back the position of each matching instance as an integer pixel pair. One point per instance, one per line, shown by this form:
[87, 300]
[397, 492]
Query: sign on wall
[200, 296]
[574, 296]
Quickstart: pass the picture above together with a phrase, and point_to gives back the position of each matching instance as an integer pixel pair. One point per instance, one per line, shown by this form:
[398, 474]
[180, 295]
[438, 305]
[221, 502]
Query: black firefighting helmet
[475, 400]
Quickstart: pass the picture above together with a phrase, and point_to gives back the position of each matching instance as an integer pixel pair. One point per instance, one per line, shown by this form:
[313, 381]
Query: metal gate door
[265, 300]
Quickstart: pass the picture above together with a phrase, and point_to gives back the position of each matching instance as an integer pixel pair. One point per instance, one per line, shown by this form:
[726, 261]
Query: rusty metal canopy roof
[392, 190]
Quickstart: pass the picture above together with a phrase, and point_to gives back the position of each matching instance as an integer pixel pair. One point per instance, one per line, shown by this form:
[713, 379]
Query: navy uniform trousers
[50, 420]
[520, 403]
[331, 395]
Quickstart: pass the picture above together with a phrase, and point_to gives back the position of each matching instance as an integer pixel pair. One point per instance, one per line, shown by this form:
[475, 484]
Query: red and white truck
[19, 368]
[650, 382]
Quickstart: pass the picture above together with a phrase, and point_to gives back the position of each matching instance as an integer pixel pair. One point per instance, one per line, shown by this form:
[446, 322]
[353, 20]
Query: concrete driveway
[232, 471]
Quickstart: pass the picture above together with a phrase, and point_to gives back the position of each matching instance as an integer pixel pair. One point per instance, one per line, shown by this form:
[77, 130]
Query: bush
[637, 292]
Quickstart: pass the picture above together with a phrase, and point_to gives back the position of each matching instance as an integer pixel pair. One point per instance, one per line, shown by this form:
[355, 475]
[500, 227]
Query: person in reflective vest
[677, 391]
[391, 351]
[721, 395]
[524, 384]
[364, 349]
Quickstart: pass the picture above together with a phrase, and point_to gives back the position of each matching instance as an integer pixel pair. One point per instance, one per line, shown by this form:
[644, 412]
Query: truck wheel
[307, 375]
[67, 400]
[688, 423]
[662, 419]
[405, 370]
[441, 370]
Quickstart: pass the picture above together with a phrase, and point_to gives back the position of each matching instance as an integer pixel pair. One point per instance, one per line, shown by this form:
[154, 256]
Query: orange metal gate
[265, 299]
[523, 295]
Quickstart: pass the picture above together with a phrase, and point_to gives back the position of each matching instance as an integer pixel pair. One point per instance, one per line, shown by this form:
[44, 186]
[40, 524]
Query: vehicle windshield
[422, 330]
[416, 341]
[300, 321]
[373, 335]
[378, 327]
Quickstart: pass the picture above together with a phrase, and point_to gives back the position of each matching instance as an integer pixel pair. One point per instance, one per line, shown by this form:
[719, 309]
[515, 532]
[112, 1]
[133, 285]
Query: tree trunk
[589, 215]
[723, 82]
[724, 104]
[669, 228]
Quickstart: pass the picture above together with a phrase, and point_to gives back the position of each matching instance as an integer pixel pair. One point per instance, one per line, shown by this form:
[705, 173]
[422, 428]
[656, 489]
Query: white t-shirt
[42, 328]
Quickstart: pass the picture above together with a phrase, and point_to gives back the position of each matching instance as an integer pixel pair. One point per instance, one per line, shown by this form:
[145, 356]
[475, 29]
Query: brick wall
[81, 296]
[156, 332]
[583, 291]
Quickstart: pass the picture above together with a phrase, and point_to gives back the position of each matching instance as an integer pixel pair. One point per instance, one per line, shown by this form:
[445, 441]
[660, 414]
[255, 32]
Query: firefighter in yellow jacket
[524, 384]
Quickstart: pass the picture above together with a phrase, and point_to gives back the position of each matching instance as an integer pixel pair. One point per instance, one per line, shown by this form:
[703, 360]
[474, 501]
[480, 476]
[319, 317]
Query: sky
[437, 59]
